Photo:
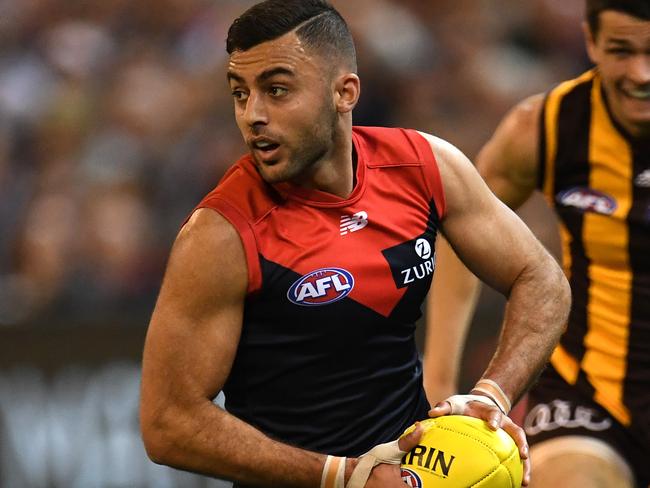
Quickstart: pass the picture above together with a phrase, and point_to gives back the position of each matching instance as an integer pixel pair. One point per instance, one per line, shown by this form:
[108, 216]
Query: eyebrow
[615, 40]
[270, 73]
[233, 76]
[265, 75]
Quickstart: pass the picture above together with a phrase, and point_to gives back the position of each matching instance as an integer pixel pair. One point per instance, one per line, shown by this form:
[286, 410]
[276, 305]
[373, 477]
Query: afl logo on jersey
[321, 287]
[411, 478]
[587, 200]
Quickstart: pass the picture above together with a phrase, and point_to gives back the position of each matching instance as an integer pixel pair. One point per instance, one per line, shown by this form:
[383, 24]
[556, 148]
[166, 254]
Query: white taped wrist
[333, 473]
[388, 453]
[494, 391]
[459, 402]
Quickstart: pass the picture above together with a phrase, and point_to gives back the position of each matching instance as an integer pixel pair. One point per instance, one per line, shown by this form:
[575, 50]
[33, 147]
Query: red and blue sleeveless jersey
[327, 358]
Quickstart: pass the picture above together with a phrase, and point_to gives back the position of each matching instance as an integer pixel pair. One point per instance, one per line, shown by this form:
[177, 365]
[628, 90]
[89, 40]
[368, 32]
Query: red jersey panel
[335, 286]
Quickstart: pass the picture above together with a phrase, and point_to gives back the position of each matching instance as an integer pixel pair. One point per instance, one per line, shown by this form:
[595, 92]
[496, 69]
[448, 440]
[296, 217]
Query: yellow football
[457, 451]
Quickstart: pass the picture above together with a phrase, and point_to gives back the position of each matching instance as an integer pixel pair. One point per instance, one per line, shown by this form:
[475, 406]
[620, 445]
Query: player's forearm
[535, 317]
[208, 440]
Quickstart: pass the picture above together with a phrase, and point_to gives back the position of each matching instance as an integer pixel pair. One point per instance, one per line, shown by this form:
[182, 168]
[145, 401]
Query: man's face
[284, 107]
[621, 50]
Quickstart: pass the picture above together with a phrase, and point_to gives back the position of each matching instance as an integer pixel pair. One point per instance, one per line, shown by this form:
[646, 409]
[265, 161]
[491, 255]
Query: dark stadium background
[115, 118]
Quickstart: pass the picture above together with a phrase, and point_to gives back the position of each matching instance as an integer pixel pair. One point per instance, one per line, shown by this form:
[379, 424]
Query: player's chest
[605, 207]
[374, 248]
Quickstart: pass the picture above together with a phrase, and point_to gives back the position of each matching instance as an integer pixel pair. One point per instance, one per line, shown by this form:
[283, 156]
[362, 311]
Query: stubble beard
[304, 158]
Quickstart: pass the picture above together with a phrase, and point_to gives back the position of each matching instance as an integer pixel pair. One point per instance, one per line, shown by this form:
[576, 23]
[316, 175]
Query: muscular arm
[496, 246]
[189, 351]
[508, 163]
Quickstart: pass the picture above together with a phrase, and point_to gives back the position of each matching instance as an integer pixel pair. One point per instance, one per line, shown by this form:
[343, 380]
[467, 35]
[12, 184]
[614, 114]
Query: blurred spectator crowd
[116, 118]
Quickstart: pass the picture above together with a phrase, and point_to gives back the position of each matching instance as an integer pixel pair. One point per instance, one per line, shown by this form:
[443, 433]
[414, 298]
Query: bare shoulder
[509, 160]
[458, 175]
[209, 228]
[448, 157]
[207, 255]
[517, 136]
[527, 112]
[515, 141]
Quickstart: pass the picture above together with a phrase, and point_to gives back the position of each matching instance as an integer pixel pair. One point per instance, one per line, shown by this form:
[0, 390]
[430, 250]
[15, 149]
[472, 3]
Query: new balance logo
[353, 223]
[643, 179]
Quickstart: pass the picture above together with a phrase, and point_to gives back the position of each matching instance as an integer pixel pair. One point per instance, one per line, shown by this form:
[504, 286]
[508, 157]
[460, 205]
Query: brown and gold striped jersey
[597, 178]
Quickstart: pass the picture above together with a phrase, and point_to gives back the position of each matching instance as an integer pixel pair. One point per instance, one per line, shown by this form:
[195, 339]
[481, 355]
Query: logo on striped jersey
[643, 179]
[321, 287]
[411, 478]
[545, 417]
[353, 223]
[587, 200]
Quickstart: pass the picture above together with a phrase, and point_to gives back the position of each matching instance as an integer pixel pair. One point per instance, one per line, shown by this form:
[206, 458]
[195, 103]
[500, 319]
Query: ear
[347, 88]
[590, 42]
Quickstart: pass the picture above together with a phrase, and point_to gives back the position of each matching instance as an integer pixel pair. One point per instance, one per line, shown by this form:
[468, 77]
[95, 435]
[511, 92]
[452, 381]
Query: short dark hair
[316, 22]
[635, 8]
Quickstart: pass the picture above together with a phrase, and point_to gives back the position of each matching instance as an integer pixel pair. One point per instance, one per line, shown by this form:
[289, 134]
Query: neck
[334, 173]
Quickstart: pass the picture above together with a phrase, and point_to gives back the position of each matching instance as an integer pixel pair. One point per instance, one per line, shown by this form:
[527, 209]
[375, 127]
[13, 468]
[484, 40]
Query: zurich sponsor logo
[411, 478]
[423, 268]
[587, 200]
[320, 287]
[423, 248]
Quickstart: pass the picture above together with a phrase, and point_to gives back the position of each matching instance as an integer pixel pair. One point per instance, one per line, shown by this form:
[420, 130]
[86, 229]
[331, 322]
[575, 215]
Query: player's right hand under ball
[389, 475]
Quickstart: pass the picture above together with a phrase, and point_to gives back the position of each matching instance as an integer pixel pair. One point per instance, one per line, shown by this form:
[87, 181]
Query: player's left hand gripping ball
[456, 451]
